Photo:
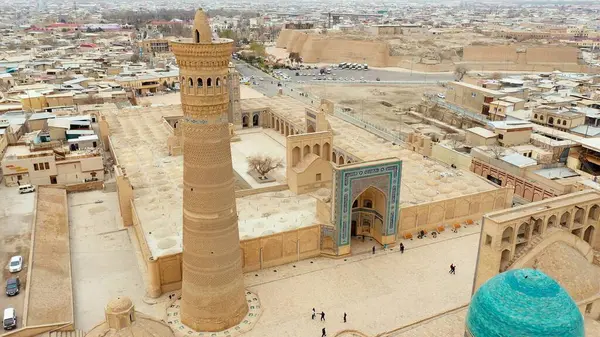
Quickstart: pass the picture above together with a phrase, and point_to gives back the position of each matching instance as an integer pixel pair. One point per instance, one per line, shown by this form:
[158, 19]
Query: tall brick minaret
[213, 295]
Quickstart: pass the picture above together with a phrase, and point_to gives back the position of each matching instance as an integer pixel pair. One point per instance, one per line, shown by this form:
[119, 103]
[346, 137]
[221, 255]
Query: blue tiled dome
[524, 303]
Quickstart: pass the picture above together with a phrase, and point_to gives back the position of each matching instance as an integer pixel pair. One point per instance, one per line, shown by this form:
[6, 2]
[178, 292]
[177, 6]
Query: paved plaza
[379, 292]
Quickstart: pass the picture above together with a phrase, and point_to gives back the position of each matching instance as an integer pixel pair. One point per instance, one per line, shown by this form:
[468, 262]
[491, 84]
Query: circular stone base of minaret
[180, 330]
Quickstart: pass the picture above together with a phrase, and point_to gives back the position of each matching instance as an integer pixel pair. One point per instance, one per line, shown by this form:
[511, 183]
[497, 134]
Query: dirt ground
[377, 103]
[16, 215]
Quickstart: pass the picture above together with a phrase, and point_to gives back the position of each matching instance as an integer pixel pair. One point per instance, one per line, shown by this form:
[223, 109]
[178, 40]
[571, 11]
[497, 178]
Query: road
[268, 86]
[16, 216]
[371, 75]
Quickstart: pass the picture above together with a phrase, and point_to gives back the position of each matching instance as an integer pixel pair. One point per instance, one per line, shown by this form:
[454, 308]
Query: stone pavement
[379, 292]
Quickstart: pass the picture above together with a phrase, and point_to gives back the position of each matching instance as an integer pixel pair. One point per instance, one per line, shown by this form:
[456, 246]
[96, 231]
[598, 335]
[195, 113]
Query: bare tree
[263, 164]
[496, 76]
[460, 72]
[496, 150]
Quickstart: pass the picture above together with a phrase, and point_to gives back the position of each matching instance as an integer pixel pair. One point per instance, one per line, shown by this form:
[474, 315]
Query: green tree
[258, 49]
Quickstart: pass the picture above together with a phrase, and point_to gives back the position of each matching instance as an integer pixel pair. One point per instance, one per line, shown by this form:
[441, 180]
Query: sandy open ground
[369, 102]
[50, 290]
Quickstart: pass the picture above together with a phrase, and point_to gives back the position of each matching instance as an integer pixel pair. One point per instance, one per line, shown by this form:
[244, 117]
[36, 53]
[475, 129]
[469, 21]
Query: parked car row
[13, 287]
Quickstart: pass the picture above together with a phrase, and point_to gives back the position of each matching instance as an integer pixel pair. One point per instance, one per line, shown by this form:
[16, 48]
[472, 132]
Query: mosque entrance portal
[366, 202]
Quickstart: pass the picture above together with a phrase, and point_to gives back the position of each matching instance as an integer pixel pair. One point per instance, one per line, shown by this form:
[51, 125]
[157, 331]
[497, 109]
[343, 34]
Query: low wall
[455, 210]
[83, 187]
[165, 272]
[253, 191]
[30, 331]
[522, 187]
[450, 157]
[281, 248]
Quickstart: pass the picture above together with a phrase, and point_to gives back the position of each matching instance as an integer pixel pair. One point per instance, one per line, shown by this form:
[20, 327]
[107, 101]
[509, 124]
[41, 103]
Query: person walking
[401, 248]
[323, 332]
[344, 317]
[451, 268]
[314, 314]
[373, 249]
[323, 316]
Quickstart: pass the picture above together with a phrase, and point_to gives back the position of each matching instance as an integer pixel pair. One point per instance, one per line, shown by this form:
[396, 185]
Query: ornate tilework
[385, 177]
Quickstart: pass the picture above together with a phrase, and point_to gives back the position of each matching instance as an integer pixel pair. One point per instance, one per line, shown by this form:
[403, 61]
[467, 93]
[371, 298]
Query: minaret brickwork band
[213, 295]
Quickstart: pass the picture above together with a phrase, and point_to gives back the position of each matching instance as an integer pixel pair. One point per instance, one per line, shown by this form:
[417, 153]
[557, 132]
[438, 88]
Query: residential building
[21, 166]
[512, 132]
[558, 118]
[472, 97]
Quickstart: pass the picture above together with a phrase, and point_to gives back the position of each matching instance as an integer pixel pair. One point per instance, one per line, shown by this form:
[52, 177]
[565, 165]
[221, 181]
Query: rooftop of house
[519, 160]
[590, 143]
[485, 133]
[490, 92]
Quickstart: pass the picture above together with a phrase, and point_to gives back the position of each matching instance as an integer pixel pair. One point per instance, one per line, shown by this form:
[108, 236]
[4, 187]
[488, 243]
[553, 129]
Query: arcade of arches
[509, 234]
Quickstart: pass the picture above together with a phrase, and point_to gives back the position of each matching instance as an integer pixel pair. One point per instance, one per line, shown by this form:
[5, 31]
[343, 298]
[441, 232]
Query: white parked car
[16, 264]
[442, 96]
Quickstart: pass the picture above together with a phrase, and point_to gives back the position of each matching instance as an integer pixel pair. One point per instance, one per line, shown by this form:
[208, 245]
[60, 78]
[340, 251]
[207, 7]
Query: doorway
[53, 180]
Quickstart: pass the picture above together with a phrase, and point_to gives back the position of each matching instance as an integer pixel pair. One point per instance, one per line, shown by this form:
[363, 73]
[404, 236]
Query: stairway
[73, 333]
[536, 239]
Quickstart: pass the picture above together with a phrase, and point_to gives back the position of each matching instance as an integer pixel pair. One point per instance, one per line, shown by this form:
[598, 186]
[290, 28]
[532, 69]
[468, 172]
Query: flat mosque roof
[139, 139]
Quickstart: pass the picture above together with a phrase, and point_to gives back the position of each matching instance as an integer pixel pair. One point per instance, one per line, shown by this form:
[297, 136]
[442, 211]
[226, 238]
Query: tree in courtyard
[496, 76]
[263, 164]
[496, 150]
[460, 72]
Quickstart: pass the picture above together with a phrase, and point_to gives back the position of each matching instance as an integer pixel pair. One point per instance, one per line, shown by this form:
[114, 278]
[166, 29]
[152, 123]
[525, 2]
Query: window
[47, 165]
[535, 116]
[473, 94]
[564, 122]
[35, 167]
[318, 177]
[488, 240]
[209, 82]
[368, 204]
[500, 136]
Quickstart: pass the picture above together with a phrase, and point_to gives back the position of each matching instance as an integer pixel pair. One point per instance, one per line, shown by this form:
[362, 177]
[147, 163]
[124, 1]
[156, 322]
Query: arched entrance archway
[376, 188]
[594, 212]
[255, 120]
[504, 259]
[326, 151]
[317, 149]
[245, 121]
[551, 221]
[368, 213]
[507, 235]
[564, 220]
[588, 235]
[341, 161]
[295, 156]
[538, 227]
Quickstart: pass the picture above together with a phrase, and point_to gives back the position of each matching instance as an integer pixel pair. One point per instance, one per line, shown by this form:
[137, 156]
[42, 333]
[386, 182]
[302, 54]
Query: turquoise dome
[523, 303]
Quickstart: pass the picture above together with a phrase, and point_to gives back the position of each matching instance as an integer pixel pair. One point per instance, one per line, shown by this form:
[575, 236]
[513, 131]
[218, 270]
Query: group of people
[452, 269]
[322, 314]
